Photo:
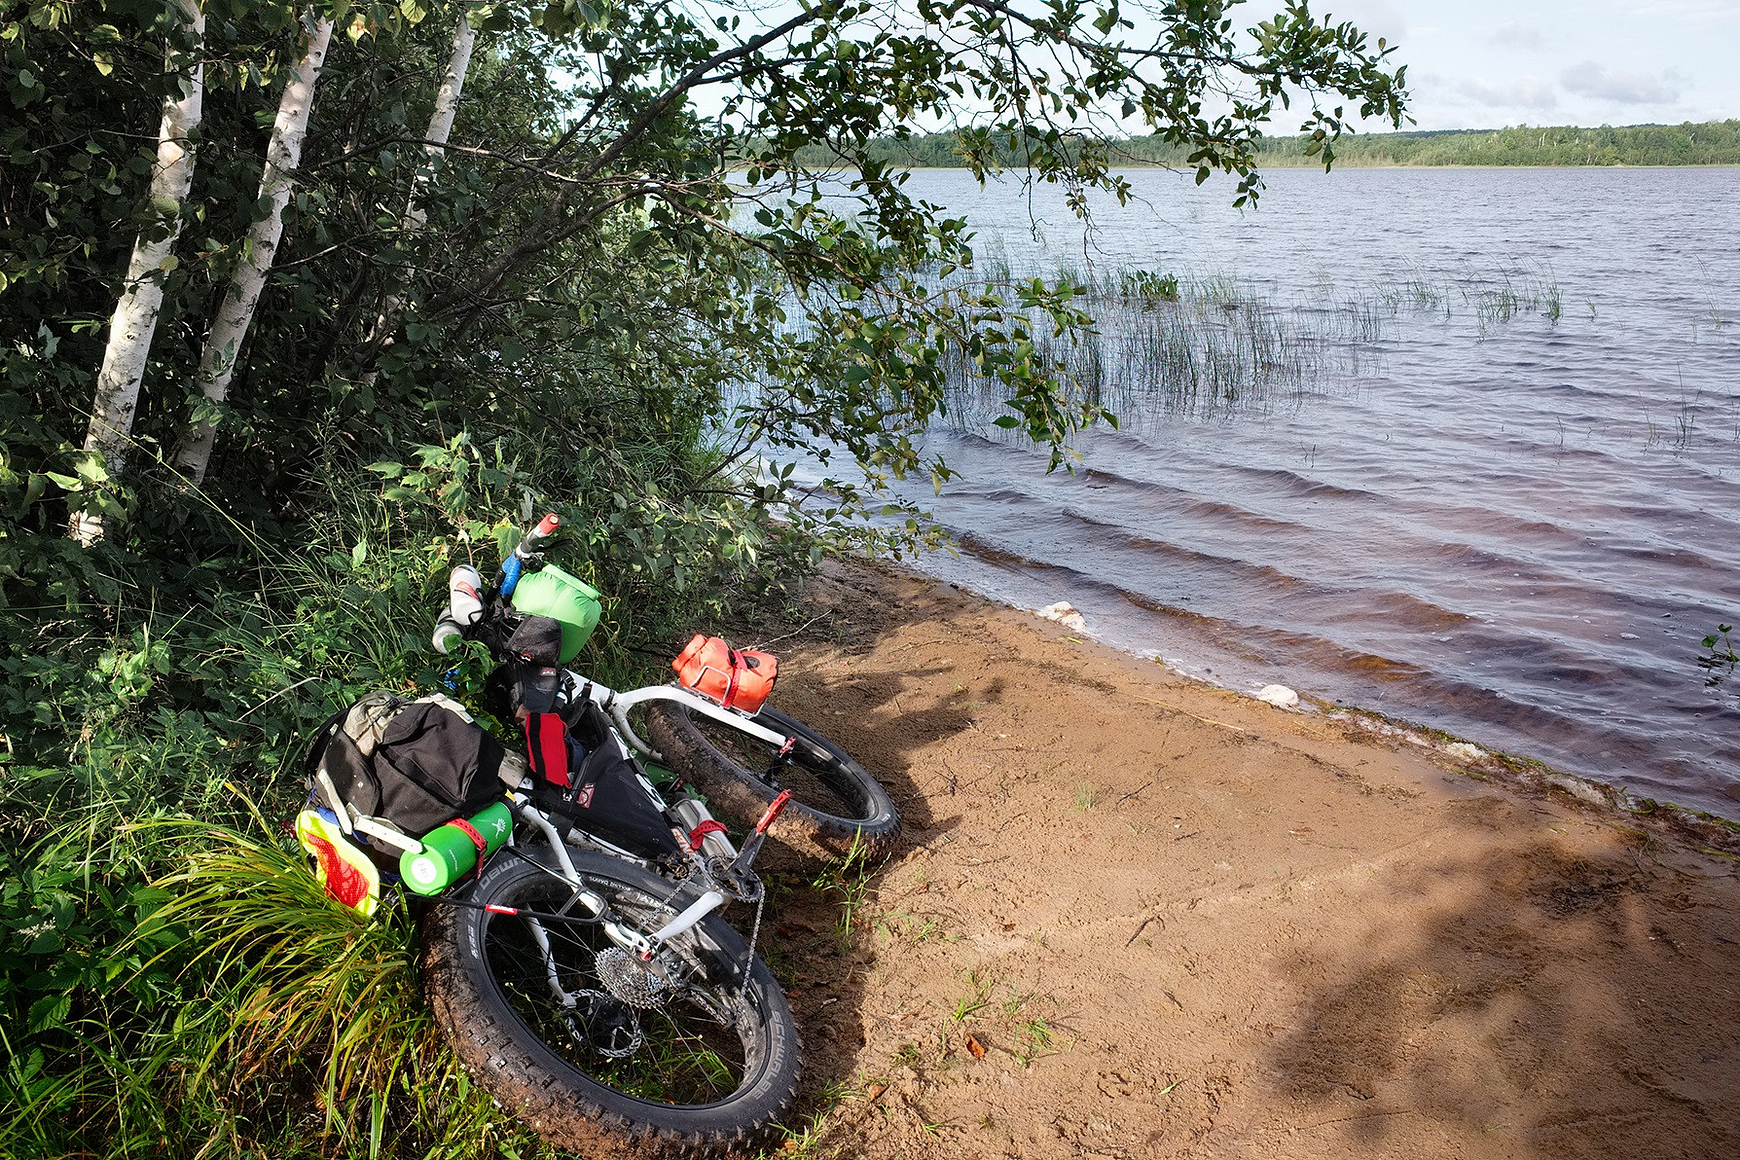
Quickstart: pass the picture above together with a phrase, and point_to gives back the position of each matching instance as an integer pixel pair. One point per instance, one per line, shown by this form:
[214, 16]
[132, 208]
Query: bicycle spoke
[687, 1050]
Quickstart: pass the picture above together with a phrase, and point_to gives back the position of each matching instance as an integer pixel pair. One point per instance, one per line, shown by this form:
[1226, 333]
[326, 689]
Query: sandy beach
[1136, 916]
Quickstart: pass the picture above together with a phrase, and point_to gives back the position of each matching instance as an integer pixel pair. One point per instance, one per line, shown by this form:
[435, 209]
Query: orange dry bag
[737, 680]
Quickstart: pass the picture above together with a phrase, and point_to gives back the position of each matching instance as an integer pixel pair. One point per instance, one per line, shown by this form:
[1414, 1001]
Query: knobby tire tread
[491, 1044]
[743, 795]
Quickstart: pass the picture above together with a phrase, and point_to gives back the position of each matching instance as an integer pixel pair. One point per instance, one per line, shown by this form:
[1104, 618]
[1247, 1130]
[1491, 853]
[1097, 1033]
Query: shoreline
[1523, 774]
[1135, 914]
[1139, 166]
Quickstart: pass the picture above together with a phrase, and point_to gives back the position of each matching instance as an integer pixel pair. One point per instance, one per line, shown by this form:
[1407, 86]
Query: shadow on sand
[1523, 1001]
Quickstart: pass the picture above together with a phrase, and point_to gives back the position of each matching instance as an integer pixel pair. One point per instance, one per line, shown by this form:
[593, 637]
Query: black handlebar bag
[415, 764]
[580, 771]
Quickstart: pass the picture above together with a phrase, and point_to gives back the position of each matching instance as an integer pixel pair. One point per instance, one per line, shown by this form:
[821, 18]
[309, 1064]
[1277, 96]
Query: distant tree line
[1711, 143]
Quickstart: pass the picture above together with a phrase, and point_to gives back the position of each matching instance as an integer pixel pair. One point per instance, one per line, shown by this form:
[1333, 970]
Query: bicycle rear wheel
[592, 1047]
[835, 801]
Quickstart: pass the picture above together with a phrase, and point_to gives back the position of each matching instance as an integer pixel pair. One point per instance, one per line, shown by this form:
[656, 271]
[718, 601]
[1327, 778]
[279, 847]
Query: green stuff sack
[571, 602]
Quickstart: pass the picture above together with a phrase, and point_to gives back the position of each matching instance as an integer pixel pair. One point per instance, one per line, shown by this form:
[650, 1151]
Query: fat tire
[539, 1082]
[738, 792]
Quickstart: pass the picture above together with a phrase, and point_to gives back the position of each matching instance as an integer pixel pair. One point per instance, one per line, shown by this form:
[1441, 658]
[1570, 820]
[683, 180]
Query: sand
[1135, 916]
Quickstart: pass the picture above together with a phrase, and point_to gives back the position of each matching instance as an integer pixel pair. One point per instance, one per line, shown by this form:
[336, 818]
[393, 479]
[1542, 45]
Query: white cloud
[1515, 93]
[1515, 35]
[1692, 11]
[1590, 79]
[1374, 17]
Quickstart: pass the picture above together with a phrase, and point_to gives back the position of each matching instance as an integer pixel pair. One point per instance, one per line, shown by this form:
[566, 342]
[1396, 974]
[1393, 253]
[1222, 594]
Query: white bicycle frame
[617, 706]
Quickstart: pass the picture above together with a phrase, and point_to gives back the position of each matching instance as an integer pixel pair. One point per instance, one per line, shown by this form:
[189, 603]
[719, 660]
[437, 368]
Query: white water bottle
[448, 635]
[465, 595]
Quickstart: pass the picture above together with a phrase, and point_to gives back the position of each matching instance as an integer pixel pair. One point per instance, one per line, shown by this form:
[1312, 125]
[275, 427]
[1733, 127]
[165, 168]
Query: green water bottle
[449, 853]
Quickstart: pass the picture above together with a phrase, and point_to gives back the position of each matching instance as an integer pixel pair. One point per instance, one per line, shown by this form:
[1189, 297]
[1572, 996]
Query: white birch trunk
[434, 149]
[441, 120]
[230, 328]
[134, 322]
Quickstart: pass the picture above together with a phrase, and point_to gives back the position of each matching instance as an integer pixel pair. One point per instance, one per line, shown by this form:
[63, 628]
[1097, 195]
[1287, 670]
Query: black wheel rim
[695, 1048]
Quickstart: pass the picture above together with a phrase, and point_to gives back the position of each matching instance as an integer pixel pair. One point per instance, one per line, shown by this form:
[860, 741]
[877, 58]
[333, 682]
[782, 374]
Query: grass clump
[1209, 346]
[225, 1007]
[851, 878]
[172, 981]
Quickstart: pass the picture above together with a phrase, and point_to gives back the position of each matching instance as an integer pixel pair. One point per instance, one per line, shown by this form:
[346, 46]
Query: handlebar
[466, 598]
[535, 541]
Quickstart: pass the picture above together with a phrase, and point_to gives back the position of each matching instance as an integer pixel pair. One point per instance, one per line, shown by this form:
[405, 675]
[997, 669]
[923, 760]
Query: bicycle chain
[754, 936]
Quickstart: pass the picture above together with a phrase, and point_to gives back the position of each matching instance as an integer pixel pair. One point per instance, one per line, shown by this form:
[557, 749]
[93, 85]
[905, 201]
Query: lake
[1493, 487]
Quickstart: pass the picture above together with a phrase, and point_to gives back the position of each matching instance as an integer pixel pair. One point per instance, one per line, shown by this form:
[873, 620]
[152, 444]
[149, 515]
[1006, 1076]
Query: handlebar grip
[510, 573]
[536, 541]
[538, 537]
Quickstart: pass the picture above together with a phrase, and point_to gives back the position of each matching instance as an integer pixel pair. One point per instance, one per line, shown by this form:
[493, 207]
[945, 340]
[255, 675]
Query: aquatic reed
[1165, 344]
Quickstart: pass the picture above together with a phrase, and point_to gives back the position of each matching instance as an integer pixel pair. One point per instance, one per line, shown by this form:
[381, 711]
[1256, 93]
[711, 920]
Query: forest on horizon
[1709, 143]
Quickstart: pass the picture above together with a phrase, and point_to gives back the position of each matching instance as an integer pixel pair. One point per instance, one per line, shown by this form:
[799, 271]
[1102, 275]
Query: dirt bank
[1134, 916]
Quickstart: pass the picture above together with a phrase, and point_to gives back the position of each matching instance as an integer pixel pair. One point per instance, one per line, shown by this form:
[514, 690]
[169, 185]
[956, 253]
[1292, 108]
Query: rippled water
[1515, 528]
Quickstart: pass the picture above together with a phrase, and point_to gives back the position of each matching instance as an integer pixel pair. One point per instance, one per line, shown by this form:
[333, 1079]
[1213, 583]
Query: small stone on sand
[1280, 696]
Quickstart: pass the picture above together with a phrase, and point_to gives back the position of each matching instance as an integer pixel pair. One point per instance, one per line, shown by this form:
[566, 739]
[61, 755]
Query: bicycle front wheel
[835, 801]
[587, 1043]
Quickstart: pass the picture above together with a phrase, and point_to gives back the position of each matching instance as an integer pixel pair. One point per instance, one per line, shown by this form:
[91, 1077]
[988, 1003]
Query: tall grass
[244, 1014]
[1164, 346]
[172, 982]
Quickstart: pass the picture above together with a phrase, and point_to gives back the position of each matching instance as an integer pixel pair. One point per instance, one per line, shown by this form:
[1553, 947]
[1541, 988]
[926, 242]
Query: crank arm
[740, 865]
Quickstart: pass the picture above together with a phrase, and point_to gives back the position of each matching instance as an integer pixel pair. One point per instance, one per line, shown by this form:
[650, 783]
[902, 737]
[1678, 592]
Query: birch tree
[446, 108]
[229, 329]
[134, 322]
[435, 139]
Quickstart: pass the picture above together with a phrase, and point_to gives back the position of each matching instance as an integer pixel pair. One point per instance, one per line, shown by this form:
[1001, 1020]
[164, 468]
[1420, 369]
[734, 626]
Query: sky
[1483, 64]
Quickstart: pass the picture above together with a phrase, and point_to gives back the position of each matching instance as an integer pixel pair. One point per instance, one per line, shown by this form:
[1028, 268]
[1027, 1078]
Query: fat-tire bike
[591, 985]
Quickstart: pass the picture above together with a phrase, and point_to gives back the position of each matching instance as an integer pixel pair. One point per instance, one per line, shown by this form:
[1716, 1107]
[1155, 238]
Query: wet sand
[1136, 916]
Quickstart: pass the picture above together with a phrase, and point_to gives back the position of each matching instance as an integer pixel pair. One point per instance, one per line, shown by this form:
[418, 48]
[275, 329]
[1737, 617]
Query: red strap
[731, 681]
[465, 827]
[701, 831]
[547, 746]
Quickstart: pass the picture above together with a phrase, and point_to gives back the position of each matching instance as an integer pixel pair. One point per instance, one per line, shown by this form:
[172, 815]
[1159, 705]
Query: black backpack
[412, 764]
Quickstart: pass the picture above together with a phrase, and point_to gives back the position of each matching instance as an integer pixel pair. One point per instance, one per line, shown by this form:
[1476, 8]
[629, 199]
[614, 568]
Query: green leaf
[49, 1012]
